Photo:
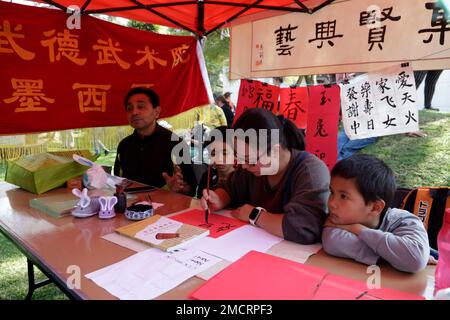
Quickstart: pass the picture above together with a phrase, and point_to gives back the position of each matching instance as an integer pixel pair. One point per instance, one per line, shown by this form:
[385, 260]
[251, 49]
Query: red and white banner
[56, 78]
[322, 126]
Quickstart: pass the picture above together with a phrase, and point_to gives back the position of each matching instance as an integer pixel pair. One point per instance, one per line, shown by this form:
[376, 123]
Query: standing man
[145, 155]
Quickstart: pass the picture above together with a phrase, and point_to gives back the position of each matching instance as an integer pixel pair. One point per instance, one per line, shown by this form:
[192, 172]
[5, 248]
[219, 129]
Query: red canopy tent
[198, 16]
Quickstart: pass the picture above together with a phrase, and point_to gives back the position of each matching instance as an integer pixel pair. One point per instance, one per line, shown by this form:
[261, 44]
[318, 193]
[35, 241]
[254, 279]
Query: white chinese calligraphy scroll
[380, 103]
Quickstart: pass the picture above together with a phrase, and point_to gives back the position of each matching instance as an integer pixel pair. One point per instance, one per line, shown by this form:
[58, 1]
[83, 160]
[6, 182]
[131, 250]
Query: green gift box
[42, 172]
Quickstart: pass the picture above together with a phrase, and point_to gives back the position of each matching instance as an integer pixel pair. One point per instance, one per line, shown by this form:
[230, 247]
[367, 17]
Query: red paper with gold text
[52, 77]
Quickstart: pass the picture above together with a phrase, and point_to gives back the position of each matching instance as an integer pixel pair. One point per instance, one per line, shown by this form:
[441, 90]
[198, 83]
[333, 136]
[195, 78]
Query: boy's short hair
[152, 95]
[374, 179]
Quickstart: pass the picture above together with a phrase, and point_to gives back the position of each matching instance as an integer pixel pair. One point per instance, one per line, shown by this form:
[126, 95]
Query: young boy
[361, 226]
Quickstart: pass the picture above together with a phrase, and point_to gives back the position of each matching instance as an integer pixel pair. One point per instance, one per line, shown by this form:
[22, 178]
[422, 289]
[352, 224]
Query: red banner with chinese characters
[56, 78]
[322, 124]
[256, 94]
[294, 105]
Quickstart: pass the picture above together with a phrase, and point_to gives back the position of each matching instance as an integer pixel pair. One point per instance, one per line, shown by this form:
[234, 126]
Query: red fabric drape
[54, 78]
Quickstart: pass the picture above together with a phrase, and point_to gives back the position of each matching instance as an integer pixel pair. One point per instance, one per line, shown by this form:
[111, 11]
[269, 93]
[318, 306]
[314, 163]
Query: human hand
[243, 212]
[210, 200]
[175, 182]
[432, 260]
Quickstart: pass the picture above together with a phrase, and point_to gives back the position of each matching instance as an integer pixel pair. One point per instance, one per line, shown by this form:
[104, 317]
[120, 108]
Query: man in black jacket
[146, 155]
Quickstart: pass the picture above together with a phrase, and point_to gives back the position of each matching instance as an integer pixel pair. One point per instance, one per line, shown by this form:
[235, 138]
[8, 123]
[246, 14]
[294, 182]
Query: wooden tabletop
[65, 244]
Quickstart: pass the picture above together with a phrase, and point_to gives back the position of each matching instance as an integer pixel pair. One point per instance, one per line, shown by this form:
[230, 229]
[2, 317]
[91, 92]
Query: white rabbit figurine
[107, 207]
[87, 206]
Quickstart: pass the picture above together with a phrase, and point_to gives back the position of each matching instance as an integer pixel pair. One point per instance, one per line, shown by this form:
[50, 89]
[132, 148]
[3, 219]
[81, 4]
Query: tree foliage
[143, 26]
[216, 50]
[217, 57]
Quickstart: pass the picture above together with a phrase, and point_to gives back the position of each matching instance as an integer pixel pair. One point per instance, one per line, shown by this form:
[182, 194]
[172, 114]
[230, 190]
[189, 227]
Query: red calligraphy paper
[322, 123]
[294, 105]
[218, 225]
[256, 94]
[260, 276]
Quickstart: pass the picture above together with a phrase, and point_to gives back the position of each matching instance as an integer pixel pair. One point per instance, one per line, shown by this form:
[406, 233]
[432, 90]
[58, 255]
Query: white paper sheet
[380, 103]
[150, 273]
[238, 242]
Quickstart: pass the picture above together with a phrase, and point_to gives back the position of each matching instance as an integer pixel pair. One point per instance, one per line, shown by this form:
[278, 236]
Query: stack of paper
[57, 206]
[150, 273]
[147, 230]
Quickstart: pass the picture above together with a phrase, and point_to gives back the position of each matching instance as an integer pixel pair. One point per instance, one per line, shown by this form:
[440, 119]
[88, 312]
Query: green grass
[13, 276]
[421, 161]
[416, 162]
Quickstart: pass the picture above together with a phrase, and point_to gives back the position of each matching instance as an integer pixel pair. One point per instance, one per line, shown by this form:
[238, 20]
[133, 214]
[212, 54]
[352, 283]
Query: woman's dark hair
[224, 101]
[152, 95]
[256, 118]
[374, 179]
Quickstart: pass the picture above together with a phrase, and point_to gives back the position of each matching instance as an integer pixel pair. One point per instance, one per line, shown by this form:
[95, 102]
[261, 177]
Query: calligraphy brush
[207, 189]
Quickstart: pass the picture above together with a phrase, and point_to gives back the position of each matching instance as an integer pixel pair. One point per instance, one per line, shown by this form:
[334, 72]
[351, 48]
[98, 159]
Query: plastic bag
[96, 177]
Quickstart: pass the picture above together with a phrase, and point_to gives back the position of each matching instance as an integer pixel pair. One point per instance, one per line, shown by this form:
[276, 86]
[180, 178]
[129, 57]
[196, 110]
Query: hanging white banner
[348, 36]
[380, 103]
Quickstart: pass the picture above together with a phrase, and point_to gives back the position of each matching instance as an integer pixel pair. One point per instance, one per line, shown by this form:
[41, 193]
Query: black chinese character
[250, 90]
[351, 94]
[355, 127]
[403, 80]
[390, 101]
[389, 123]
[259, 97]
[292, 107]
[326, 31]
[439, 21]
[407, 97]
[324, 99]
[382, 85]
[268, 105]
[386, 13]
[376, 35]
[284, 36]
[224, 227]
[367, 17]
[368, 107]
[365, 89]
[320, 155]
[370, 125]
[352, 110]
[410, 117]
[320, 129]
[370, 17]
